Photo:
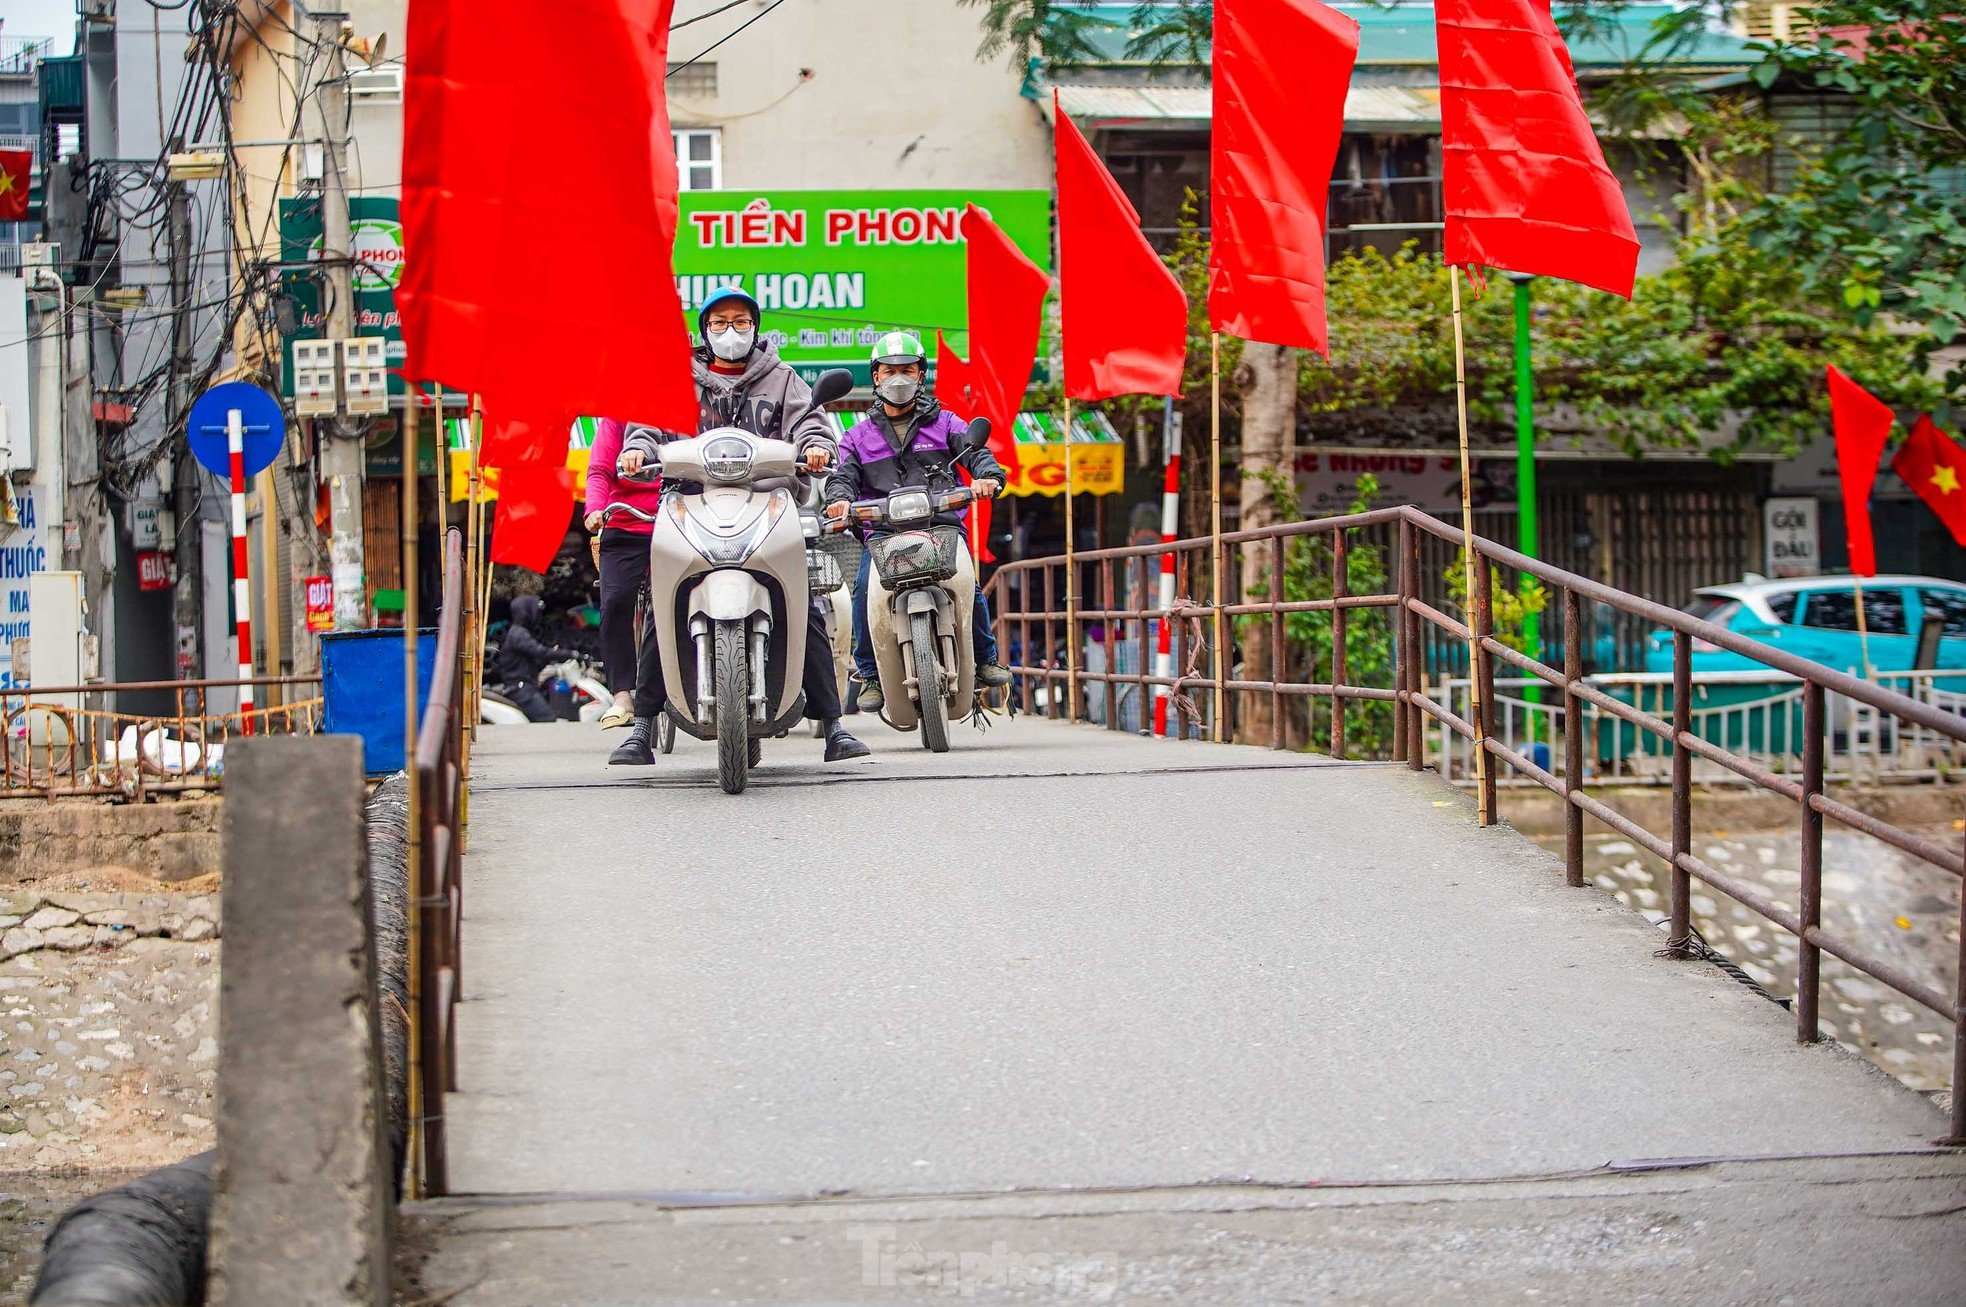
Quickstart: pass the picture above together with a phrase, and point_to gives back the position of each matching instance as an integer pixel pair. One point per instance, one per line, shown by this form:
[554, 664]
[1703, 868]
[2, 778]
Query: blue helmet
[723, 295]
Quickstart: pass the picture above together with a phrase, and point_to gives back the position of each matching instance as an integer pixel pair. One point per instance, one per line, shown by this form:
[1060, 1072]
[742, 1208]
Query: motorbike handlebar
[629, 509]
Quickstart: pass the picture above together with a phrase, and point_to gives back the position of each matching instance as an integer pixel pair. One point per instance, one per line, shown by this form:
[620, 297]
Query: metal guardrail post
[1277, 734]
[1573, 738]
[1808, 957]
[1681, 884]
[1340, 590]
[1482, 677]
[1958, 1135]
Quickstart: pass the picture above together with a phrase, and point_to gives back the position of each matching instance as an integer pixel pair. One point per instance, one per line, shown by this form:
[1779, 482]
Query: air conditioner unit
[314, 378]
[37, 261]
[382, 85]
[365, 375]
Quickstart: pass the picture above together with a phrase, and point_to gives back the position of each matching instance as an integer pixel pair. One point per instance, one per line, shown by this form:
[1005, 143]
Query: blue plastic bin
[362, 690]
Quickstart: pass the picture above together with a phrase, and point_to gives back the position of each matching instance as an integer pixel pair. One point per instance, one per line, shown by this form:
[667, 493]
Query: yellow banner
[1097, 469]
[488, 476]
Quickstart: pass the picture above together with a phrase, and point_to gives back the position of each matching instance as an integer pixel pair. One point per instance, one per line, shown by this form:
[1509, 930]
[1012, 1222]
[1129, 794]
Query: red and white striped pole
[1170, 526]
[242, 594]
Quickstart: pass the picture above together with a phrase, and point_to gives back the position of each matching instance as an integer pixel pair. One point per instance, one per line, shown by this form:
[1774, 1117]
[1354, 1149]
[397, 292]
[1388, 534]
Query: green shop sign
[378, 237]
[833, 270]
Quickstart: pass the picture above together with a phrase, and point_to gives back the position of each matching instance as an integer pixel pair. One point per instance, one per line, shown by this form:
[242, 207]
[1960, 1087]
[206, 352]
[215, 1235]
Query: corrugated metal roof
[1367, 108]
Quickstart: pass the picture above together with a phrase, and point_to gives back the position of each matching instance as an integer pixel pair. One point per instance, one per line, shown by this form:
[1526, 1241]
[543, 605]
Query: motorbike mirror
[979, 431]
[833, 385]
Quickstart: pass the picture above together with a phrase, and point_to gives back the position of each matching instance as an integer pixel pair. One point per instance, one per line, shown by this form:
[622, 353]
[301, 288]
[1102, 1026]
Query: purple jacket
[879, 455]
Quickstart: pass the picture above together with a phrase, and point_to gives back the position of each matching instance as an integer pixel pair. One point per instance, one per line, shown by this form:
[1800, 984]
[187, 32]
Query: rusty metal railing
[442, 748]
[61, 742]
[1207, 690]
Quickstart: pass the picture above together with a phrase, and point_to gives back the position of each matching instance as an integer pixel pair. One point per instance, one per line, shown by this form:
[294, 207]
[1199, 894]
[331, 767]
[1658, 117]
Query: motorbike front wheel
[928, 685]
[733, 673]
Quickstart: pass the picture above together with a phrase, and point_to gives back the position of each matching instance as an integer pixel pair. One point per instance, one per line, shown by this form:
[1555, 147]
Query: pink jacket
[603, 488]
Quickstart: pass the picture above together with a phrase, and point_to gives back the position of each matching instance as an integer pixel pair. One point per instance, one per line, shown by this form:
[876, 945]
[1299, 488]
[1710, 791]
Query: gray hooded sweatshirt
[759, 401]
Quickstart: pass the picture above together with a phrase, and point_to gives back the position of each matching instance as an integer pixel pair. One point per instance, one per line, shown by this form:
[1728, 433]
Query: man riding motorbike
[521, 656]
[741, 382]
[909, 439]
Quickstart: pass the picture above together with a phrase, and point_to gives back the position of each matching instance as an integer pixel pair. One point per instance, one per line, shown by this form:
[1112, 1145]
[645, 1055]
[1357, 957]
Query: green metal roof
[1403, 35]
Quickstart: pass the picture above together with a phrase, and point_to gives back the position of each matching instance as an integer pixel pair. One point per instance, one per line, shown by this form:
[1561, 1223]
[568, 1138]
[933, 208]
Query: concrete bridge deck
[1064, 1013]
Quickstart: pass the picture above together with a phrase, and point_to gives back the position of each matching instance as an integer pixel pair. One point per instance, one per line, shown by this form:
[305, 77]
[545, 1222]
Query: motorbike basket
[823, 571]
[916, 557]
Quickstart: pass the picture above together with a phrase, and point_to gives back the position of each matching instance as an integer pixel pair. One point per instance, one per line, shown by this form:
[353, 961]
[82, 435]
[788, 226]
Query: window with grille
[697, 81]
[700, 159]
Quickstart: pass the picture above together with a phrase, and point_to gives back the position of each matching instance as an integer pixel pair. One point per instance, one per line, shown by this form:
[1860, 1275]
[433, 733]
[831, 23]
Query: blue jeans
[863, 639]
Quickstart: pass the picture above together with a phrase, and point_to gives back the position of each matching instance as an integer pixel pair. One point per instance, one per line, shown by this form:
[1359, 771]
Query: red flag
[493, 118]
[16, 180]
[1126, 327]
[1281, 68]
[535, 505]
[952, 382]
[1863, 424]
[1524, 181]
[517, 443]
[1006, 307]
[1934, 465]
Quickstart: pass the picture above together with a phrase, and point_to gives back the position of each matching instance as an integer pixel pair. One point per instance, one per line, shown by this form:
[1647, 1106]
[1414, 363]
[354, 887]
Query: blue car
[1815, 617]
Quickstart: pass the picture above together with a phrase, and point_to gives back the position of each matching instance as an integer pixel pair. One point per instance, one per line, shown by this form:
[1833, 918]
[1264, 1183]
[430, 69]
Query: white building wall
[895, 98]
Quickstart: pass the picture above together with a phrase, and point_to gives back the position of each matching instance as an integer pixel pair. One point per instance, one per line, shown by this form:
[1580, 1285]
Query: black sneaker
[636, 750]
[993, 675]
[841, 745]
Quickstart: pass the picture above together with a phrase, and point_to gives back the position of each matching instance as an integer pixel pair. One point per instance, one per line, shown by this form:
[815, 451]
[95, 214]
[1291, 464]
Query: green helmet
[899, 347]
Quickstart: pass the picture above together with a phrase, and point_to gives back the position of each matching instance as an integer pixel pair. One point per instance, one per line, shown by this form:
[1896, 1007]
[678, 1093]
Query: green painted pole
[1525, 462]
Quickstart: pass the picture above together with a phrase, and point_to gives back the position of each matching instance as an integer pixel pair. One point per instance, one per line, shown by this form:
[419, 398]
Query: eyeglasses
[742, 323]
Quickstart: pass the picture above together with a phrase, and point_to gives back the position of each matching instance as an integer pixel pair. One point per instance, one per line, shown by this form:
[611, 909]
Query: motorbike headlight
[909, 506]
[727, 460]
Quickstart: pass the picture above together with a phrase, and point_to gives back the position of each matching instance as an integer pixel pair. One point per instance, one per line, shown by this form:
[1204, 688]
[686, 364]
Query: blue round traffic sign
[265, 427]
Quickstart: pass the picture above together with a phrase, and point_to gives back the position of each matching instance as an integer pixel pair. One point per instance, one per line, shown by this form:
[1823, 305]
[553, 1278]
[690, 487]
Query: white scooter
[920, 605]
[727, 577]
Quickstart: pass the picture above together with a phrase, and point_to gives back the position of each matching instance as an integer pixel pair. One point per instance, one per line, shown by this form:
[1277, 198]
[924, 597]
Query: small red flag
[16, 180]
[1523, 177]
[1934, 465]
[509, 443]
[952, 382]
[1006, 309]
[1863, 423]
[491, 117]
[535, 506]
[1281, 68]
[1123, 316]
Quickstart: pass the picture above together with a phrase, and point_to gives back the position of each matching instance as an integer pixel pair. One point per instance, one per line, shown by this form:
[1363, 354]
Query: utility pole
[342, 458]
[187, 604]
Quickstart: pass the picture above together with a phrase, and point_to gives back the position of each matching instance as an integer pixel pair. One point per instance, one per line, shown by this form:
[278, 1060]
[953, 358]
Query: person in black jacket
[521, 656]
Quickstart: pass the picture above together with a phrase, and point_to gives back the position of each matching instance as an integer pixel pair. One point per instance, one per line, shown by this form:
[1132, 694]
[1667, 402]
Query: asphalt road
[1058, 961]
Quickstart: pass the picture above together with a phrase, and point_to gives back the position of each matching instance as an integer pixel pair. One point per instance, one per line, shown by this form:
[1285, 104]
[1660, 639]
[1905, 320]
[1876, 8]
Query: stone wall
[172, 841]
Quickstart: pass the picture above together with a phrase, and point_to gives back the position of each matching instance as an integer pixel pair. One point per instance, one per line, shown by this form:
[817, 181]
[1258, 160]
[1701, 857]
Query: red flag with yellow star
[1935, 466]
[16, 179]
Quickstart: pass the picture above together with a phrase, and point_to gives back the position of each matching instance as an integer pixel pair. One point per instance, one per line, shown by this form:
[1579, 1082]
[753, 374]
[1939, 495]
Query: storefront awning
[1097, 460]
[1388, 109]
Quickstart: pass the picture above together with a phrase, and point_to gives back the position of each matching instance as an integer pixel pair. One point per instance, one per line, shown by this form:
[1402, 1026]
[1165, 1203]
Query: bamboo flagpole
[1071, 580]
[1215, 530]
[416, 1088]
[1863, 633]
[1482, 815]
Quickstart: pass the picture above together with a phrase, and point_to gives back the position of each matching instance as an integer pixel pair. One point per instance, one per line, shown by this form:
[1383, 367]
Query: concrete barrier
[302, 1210]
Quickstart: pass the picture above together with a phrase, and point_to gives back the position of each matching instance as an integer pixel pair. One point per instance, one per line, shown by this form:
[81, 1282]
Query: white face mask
[732, 345]
[898, 390]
